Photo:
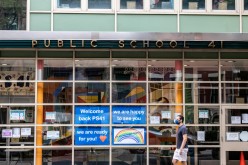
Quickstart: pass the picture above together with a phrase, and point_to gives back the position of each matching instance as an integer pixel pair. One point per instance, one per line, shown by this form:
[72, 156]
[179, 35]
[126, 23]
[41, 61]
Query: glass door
[234, 137]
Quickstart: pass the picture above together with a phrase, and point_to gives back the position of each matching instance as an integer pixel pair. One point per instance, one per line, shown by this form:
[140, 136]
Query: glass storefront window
[57, 92]
[56, 69]
[202, 93]
[223, 4]
[92, 92]
[91, 156]
[134, 155]
[204, 155]
[201, 114]
[55, 114]
[57, 156]
[193, 4]
[234, 70]
[234, 93]
[201, 70]
[162, 114]
[165, 70]
[203, 135]
[99, 4]
[92, 70]
[129, 93]
[129, 70]
[162, 4]
[68, 4]
[17, 92]
[17, 136]
[17, 156]
[165, 93]
[131, 4]
[160, 155]
[162, 135]
[17, 115]
[57, 135]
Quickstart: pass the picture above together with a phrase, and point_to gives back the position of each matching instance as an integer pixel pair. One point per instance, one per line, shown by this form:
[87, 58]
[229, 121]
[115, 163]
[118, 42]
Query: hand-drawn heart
[103, 138]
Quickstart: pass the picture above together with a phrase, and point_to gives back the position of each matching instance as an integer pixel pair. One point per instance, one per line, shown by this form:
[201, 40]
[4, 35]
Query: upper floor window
[223, 4]
[99, 4]
[162, 4]
[69, 4]
[245, 4]
[13, 15]
[193, 4]
[131, 4]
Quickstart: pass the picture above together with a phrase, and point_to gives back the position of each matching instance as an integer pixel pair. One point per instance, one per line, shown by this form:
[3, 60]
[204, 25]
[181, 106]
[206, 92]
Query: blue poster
[91, 115]
[92, 136]
[129, 114]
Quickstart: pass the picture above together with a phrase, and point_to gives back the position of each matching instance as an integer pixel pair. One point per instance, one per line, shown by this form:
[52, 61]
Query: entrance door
[234, 141]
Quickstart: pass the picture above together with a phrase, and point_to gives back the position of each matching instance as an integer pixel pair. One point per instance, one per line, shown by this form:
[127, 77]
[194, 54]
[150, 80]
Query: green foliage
[12, 14]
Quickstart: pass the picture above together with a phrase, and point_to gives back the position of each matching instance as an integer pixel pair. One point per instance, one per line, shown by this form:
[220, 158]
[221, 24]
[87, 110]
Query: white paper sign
[203, 114]
[6, 133]
[52, 134]
[166, 114]
[235, 120]
[201, 135]
[17, 114]
[176, 114]
[245, 118]
[50, 115]
[16, 133]
[232, 136]
[154, 119]
[25, 131]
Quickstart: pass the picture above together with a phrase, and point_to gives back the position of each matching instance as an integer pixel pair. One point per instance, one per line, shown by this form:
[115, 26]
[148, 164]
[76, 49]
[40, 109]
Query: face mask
[176, 121]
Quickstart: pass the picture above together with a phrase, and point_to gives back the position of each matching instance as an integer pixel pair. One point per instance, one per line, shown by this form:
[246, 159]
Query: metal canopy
[146, 36]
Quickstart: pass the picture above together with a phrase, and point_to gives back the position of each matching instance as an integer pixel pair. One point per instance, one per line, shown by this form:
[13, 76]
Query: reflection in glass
[162, 4]
[134, 155]
[194, 4]
[129, 92]
[129, 70]
[16, 136]
[99, 4]
[233, 157]
[91, 156]
[57, 92]
[234, 70]
[92, 70]
[9, 156]
[68, 4]
[160, 155]
[57, 114]
[161, 114]
[201, 93]
[17, 92]
[57, 135]
[162, 135]
[13, 15]
[165, 70]
[234, 93]
[131, 4]
[57, 156]
[57, 70]
[162, 93]
[209, 135]
[223, 4]
[201, 70]
[205, 155]
[92, 92]
[202, 114]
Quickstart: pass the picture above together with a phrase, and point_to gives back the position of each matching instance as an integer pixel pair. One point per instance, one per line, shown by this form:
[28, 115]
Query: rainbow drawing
[129, 136]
